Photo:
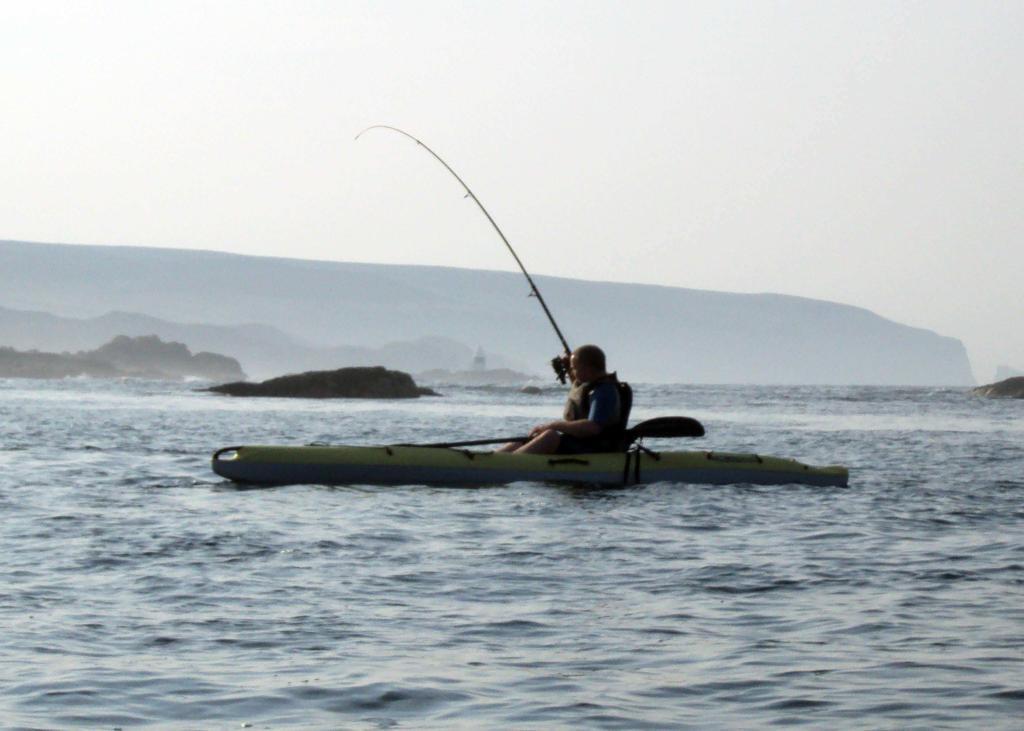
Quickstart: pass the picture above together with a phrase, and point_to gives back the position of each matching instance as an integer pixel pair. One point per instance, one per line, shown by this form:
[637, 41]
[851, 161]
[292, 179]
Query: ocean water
[138, 589]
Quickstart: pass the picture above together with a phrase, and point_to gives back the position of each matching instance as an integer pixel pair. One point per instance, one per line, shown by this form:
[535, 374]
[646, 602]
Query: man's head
[588, 363]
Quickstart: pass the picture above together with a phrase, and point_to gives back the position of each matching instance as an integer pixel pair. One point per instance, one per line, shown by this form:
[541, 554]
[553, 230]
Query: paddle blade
[667, 427]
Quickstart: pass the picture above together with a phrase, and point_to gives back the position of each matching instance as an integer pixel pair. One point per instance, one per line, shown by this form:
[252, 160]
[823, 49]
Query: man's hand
[540, 428]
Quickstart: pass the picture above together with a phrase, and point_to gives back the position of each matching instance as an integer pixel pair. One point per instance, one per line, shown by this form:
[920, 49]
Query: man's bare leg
[510, 447]
[544, 443]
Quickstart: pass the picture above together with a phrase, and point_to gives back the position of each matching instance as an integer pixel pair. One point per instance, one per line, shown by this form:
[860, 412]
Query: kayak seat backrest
[625, 403]
[617, 436]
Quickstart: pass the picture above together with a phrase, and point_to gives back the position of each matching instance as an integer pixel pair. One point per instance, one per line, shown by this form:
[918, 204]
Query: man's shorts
[568, 444]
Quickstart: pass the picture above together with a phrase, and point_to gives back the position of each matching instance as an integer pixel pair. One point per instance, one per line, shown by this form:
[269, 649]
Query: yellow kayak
[411, 465]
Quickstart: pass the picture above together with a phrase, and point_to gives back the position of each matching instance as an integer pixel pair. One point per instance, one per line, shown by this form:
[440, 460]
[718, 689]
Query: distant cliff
[650, 333]
[141, 357]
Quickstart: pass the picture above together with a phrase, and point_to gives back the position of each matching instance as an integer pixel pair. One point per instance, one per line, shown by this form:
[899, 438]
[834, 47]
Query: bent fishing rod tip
[372, 126]
[393, 129]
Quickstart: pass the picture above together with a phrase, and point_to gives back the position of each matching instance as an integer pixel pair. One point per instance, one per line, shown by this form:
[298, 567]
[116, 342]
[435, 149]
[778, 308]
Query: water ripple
[141, 590]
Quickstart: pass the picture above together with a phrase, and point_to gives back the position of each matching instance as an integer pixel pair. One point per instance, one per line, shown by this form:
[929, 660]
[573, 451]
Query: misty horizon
[862, 153]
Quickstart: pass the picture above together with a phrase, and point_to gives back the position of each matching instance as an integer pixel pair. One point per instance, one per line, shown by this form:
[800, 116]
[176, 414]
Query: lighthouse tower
[479, 360]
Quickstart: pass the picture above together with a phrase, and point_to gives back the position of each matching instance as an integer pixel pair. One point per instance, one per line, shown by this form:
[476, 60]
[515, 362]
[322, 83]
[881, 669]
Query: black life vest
[577, 405]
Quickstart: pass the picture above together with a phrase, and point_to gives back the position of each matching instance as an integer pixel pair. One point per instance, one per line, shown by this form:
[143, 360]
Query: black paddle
[471, 443]
[666, 427]
[663, 427]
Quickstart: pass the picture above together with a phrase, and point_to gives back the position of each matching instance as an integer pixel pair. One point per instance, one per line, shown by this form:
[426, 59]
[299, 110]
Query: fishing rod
[558, 363]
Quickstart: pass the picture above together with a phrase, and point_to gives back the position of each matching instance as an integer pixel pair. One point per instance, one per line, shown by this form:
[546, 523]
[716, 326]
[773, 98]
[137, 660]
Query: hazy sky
[862, 152]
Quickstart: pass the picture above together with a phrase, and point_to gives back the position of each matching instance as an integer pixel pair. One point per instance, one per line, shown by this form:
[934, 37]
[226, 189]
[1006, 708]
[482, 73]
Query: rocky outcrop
[376, 382]
[150, 357]
[1010, 388]
[142, 357]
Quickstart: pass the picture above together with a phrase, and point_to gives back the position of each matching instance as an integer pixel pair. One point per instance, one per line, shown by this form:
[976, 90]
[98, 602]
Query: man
[595, 413]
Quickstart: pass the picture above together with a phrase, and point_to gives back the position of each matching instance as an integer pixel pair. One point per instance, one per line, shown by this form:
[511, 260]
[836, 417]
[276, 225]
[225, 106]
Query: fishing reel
[560, 365]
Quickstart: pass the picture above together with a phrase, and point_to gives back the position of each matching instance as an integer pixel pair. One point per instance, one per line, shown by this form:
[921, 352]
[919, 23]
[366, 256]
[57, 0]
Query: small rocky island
[123, 357]
[374, 382]
[1010, 388]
